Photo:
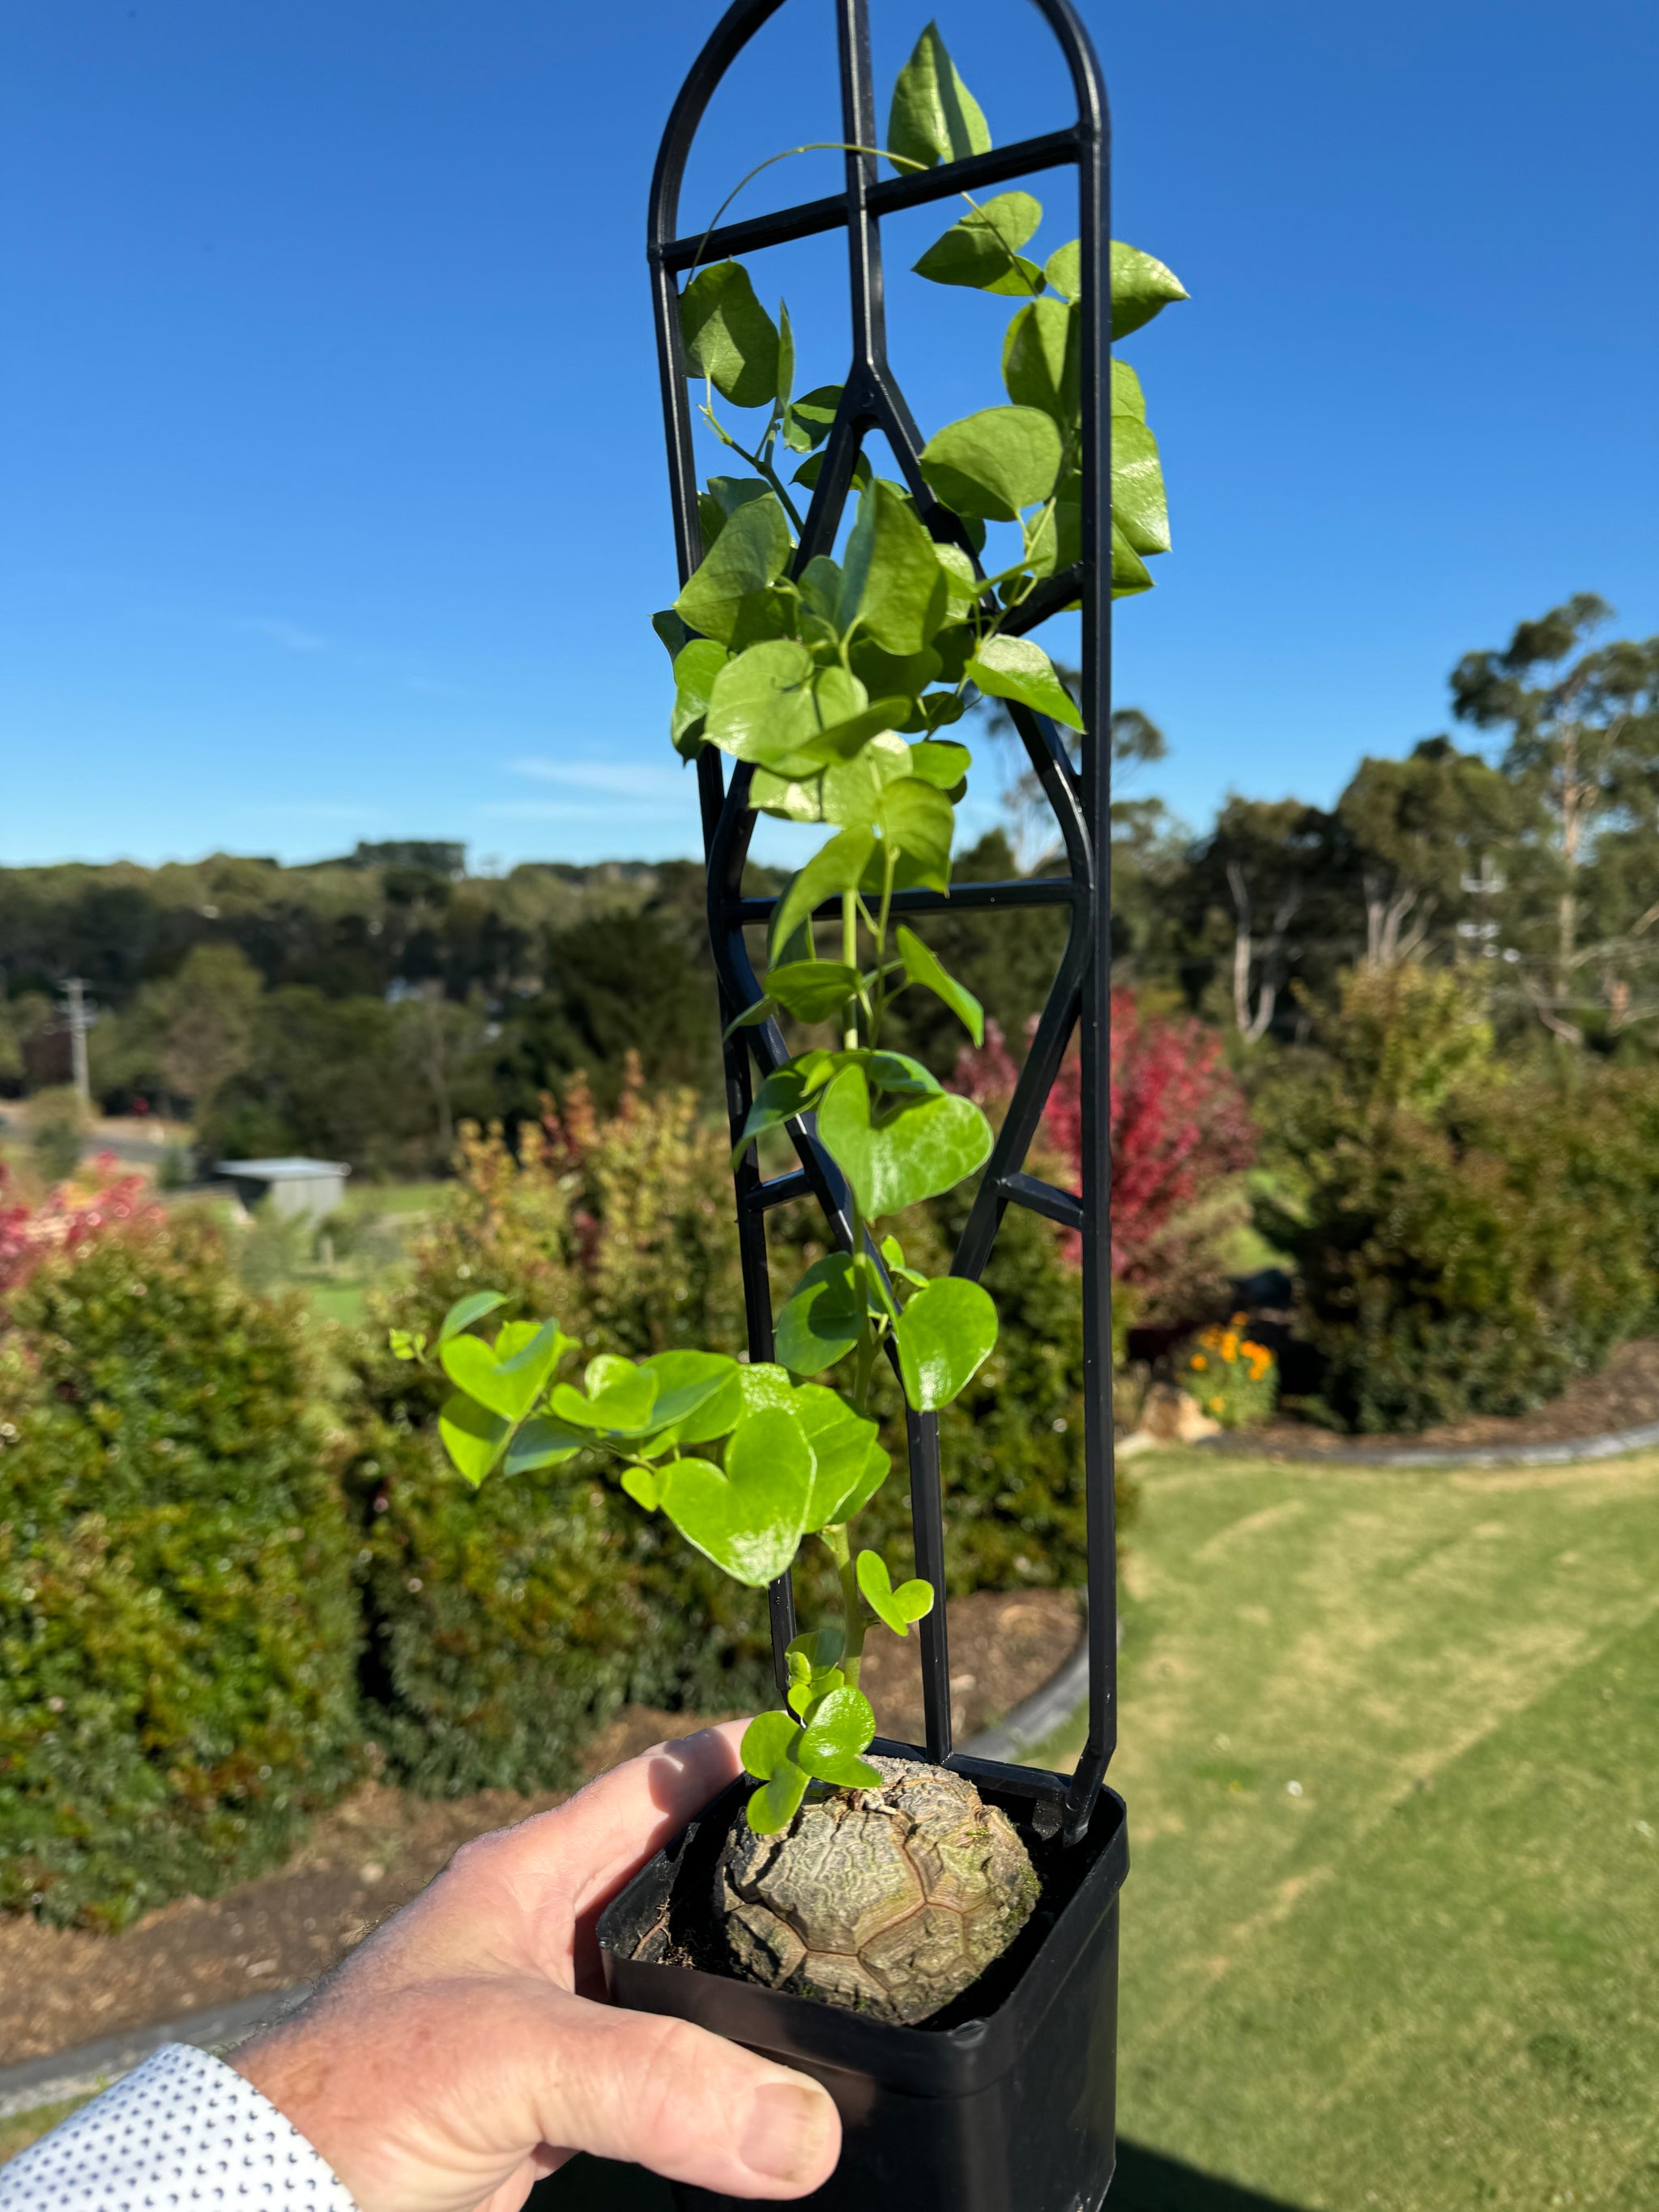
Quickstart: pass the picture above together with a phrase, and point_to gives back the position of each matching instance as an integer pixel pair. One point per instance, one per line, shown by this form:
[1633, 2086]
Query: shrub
[1180, 1127]
[57, 1127]
[1234, 1379]
[177, 1636]
[1465, 1243]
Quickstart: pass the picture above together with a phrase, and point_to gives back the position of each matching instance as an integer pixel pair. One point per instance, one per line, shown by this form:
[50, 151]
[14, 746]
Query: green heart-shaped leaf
[918, 820]
[812, 990]
[729, 336]
[466, 1310]
[699, 1393]
[839, 1727]
[474, 1437]
[806, 1689]
[838, 867]
[509, 1386]
[934, 118]
[696, 668]
[643, 1486]
[921, 967]
[894, 1609]
[747, 1519]
[761, 703]
[919, 1149]
[844, 1769]
[811, 418]
[945, 1335]
[1141, 287]
[987, 466]
[942, 763]
[777, 1802]
[1139, 508]
[895, 1074]
[1014, 668]
[818, 1648]
[850, 1461]
[764, 1385]
[1042, 361]
[620, 1397]
[541, 1443]
[1064, 270]
[767, 1743]
[823, 1321]
[842, 1720]
[891, 584]
[751, 550]
[1128, 398]
[980, 250]
[780, 1098]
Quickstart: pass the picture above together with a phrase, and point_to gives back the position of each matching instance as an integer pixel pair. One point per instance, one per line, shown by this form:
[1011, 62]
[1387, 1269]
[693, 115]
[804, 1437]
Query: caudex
[833, 681]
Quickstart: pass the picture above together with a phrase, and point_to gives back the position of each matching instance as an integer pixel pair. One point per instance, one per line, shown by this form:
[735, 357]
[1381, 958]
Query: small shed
[295, 1186]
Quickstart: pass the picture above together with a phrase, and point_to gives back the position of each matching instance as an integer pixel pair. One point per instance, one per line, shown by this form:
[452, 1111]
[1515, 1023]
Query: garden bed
[1624, 1395]
[65, 1986]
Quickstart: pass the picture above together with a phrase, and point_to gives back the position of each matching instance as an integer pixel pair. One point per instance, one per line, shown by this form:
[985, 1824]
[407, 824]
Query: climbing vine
[831, 681]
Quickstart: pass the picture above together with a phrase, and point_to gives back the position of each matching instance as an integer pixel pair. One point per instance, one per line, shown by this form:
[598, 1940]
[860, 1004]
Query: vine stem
[762, 469]
[838, 1538]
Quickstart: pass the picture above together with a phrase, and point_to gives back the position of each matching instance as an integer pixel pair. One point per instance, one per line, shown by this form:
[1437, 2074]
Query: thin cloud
[289, 636]
[576, 810]
[615, 779]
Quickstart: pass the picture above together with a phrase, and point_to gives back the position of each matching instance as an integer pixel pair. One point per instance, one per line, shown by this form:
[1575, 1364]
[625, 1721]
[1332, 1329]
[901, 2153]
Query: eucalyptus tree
[1424, 835]
[1582, 750]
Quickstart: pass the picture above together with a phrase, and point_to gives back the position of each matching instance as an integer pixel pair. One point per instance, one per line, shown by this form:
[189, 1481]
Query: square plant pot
[1004, 2102]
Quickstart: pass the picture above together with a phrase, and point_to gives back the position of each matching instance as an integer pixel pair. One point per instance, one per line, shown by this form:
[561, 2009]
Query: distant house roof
[292, 1170]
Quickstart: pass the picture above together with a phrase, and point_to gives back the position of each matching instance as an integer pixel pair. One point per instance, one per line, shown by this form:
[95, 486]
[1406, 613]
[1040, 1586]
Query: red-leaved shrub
[63, 1221]
[1180, 1127]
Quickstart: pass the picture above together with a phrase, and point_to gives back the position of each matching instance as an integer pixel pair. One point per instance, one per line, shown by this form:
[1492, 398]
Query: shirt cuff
[181, 2129]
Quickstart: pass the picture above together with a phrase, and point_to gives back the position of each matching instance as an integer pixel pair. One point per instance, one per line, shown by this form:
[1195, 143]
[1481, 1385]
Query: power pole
[79, 1021]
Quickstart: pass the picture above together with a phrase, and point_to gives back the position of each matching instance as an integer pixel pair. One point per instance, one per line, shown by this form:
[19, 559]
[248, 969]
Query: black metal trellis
[1081, 994]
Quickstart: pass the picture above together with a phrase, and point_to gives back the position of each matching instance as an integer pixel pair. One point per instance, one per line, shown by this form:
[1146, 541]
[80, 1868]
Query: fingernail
[786, 2130]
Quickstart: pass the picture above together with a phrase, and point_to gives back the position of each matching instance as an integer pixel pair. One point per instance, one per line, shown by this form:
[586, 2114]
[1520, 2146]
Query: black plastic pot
[1003, 2102]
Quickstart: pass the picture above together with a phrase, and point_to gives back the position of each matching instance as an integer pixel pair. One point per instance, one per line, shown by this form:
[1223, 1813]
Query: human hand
[459, 2054]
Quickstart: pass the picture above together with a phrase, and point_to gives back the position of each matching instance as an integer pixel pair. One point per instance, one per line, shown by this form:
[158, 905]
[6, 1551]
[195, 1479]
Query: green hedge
[1466, 1242]
[177, 1632]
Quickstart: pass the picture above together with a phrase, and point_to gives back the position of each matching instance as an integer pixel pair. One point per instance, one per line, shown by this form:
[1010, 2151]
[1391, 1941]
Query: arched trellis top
[1079, 999]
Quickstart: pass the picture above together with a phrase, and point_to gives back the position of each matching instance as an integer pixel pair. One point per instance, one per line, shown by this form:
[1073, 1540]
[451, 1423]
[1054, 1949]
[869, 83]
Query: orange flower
[1200, 1363]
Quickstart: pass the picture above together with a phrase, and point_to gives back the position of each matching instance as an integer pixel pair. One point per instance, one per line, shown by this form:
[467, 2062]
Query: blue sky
[332, 504]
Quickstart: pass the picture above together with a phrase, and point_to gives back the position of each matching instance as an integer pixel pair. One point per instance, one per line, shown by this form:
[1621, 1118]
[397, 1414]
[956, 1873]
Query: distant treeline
[359, 1007]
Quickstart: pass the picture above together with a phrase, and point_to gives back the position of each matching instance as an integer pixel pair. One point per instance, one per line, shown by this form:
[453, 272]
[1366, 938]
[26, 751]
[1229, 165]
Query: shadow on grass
[1146, 2182]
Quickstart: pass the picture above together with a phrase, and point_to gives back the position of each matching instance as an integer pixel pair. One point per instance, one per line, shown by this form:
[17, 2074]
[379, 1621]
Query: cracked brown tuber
[887, 1902]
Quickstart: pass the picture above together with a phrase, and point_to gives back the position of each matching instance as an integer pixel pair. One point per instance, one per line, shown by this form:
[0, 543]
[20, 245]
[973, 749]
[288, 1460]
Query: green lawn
[1391, 1753]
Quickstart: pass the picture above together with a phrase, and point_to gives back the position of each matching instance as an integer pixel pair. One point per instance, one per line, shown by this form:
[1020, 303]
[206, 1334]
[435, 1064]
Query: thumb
[685, 2103]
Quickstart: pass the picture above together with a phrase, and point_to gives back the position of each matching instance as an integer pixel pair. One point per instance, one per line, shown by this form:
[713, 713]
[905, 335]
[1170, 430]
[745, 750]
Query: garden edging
[90, 2067]
[1609, 1446]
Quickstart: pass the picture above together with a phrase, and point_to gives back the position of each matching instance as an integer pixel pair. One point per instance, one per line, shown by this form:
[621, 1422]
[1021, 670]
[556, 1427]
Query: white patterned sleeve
[181, 2129]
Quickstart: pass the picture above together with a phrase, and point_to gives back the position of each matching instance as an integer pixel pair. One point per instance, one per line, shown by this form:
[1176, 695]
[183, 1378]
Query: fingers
[443, 2096]
[610, 1829]
[685, 2103]
[584, 1850]
[526, 1896]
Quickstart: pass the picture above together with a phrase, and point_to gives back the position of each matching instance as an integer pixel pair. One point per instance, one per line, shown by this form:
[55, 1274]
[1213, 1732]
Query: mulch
[1624, 1395]
[62, 1987]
